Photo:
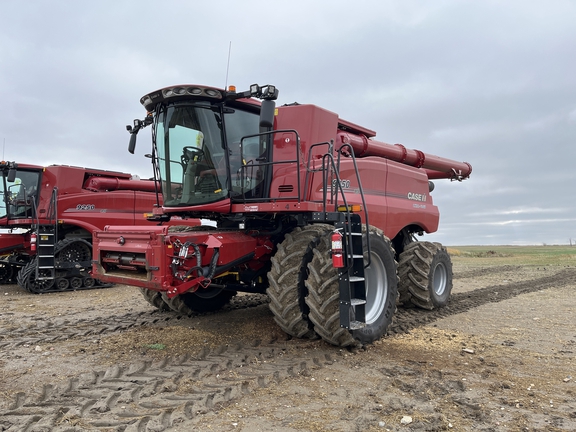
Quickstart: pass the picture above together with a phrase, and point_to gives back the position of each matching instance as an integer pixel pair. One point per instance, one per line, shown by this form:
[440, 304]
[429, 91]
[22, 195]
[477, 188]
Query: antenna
[228, 65]
[3, 148]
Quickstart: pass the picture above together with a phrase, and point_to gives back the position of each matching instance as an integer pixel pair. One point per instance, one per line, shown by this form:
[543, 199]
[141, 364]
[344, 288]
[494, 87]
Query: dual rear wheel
[304, 286]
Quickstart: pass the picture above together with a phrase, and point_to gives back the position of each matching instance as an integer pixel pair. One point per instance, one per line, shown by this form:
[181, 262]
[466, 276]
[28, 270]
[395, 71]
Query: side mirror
[132, 143]
[267, 110]
[11, 175]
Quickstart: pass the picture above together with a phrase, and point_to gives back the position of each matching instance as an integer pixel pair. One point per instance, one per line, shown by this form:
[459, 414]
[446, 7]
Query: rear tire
[425, 272]
[286, 277]
[381, 291]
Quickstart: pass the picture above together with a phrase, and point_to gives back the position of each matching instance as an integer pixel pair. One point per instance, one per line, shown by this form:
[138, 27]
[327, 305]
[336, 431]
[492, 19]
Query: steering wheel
[191, 152]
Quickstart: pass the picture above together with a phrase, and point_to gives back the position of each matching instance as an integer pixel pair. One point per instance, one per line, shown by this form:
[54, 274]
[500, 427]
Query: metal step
[45, 252]
[352, 283]
[356, 302]
[356, 325]
[354, 279]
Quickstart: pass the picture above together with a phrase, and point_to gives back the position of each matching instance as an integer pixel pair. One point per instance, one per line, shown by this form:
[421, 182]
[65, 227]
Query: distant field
[515, 255]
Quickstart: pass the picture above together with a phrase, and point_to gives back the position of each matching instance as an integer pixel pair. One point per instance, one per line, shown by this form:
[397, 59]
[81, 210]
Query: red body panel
[10, 242]
[88, 199]
[146, 244]
[87, 208]
[148, 252]
[397, 195]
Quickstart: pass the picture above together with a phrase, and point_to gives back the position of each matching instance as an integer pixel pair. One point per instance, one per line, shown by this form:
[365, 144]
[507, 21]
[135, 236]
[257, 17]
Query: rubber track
[30, 267]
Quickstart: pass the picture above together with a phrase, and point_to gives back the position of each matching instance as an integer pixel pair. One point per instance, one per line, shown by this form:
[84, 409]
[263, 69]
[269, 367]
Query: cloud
[490, 83]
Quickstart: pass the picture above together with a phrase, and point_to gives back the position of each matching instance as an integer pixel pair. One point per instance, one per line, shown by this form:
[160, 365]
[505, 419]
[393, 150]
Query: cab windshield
[197, 162]
[20, 197]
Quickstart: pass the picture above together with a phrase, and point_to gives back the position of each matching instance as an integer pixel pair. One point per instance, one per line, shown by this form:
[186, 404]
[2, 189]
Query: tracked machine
[310, 209]
[48, 214]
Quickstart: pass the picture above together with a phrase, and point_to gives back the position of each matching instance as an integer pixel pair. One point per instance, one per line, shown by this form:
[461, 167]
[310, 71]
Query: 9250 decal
[85, 207]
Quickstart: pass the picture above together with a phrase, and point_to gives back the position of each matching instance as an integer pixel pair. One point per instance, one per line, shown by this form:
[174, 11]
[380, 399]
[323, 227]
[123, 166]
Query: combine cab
[48, 214]
[310, 209]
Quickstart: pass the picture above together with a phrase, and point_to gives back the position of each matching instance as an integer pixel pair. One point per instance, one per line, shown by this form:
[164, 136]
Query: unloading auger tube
[435, 166]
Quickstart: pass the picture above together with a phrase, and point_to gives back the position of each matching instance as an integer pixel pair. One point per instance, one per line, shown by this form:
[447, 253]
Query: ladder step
[356, 325]
[357, 302]
[356, 279]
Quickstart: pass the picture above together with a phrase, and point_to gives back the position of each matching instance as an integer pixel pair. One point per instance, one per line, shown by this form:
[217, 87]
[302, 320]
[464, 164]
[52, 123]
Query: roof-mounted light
[169, 94]
[267, 92]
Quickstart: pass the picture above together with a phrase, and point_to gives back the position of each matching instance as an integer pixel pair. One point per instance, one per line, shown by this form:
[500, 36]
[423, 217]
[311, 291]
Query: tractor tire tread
[286, 280]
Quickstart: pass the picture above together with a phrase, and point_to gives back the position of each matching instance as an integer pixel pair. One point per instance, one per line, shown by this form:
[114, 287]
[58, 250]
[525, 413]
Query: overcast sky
[492, 83]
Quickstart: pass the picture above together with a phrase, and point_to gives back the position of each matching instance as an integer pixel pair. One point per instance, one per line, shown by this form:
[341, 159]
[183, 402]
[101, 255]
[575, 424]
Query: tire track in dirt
[155, 396]
[408, 319]
[159, 395]
[486, 271]
[60, 329]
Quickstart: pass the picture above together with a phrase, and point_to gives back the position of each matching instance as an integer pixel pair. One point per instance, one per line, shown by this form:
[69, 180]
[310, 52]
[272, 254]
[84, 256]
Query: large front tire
[286, 279]
[381, 291]
[425, 271]
[155, 299]
[203, 300]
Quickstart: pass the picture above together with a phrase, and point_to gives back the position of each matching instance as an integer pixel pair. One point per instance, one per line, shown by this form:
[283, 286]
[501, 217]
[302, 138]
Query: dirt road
[500, 357]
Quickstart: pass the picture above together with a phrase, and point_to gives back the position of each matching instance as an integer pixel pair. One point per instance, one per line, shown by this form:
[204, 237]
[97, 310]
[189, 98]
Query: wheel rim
[40, 285]
[439, 279]
[75, 282]
[62, 284]
[376, 288]
[207, 293]
[75, 252]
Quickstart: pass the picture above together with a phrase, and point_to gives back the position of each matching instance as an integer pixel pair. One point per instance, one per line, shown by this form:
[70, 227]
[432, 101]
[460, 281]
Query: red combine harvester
[309, 208]
[48, 215]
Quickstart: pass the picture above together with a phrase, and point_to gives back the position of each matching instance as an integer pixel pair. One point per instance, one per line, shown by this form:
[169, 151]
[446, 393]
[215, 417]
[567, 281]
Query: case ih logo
[416, 196]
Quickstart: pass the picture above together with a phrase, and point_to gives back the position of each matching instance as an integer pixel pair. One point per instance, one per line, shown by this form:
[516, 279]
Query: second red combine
[309, 208]
[48, 214]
